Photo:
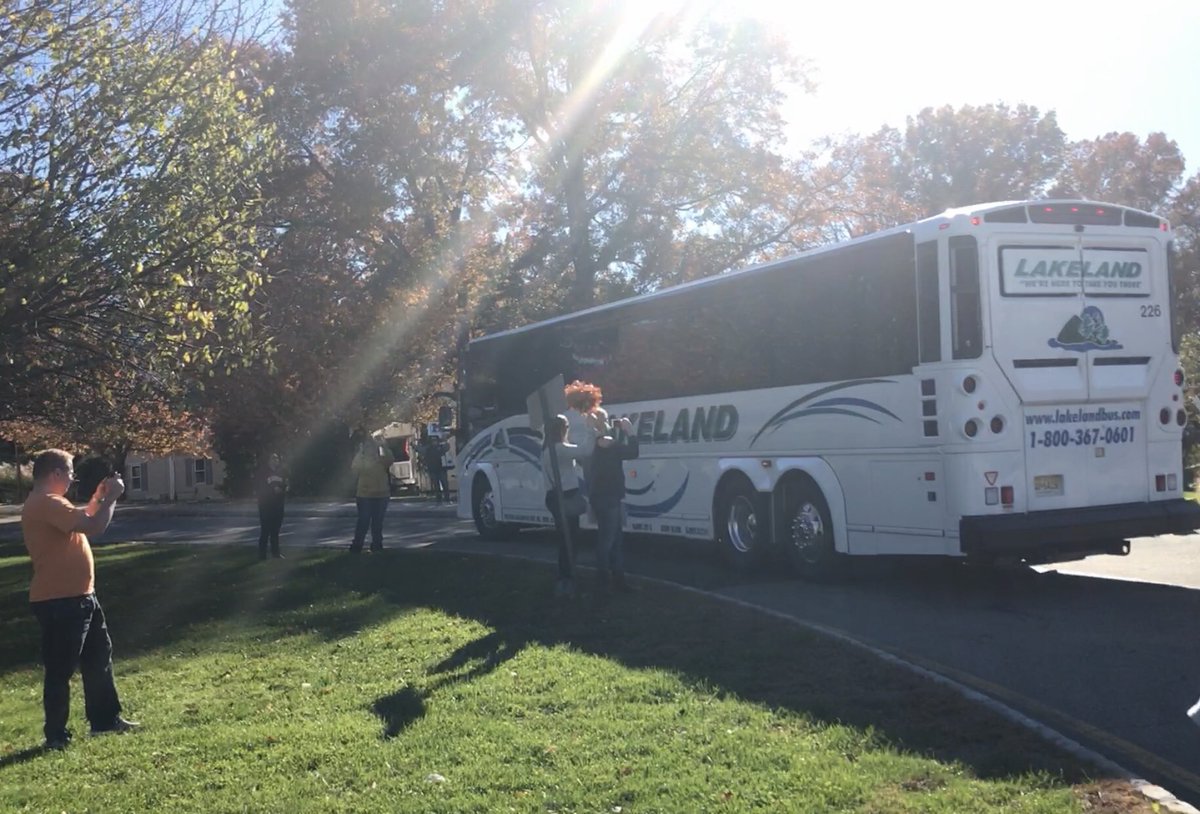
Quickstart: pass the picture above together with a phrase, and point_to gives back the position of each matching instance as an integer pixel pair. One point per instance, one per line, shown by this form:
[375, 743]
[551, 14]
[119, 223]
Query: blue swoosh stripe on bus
[870, 405]
[822, 411]
[475, 453]
[526, 448]
[658, 508]
[775, 419]
[642, 491]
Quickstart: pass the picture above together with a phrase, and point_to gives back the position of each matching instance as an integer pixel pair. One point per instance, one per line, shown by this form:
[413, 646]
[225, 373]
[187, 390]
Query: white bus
[998, 382]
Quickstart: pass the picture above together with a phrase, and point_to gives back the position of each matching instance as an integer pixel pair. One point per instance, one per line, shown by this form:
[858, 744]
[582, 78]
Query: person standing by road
[62, 596]
[272, 492]
[566, 516]
[607, 493]
[433, 454]
[371, 464]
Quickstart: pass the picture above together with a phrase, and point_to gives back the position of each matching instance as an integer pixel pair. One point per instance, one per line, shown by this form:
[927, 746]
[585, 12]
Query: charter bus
[998, 382]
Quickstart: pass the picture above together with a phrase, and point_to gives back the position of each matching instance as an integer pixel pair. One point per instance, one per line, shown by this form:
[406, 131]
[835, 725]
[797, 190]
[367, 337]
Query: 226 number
[1149, 311]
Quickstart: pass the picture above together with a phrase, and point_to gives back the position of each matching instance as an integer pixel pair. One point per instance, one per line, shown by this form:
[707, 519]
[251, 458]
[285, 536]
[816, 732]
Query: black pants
[270, 520]
[565, 560]
[370, 513]
[75, 636]
[441, 484]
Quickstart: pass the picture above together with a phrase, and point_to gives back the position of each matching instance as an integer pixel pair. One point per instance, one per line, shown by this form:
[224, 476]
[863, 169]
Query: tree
[1119, 168]
[130, 152]
[637, 141]
[944, 158]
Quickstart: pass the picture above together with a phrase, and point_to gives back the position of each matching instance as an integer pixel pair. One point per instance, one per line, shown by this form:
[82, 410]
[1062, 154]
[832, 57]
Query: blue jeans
[610, 537]
[370, 513]
[75, 636]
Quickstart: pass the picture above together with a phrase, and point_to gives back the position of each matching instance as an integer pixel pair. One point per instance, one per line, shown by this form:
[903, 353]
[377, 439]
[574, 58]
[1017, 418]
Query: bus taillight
[1006, 496]
[1178, 378]
[971, 428]
[1160, 483]
[997, 424]
[969, 384]
[1164, 416]
[1181, 418]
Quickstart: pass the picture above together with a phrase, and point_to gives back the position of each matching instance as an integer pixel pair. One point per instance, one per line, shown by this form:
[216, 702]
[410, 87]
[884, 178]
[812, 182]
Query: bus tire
[742, 526]
[807, 536]
[483, 510]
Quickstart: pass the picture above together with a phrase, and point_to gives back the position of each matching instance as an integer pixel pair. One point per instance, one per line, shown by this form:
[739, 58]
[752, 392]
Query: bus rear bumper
[1064, 534]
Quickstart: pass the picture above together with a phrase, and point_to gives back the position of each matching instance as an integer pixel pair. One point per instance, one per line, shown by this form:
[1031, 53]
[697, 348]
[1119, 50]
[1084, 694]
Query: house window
[137, 477]
[199, 471]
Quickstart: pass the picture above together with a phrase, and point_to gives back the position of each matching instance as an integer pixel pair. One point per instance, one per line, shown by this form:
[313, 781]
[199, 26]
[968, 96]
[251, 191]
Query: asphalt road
[1102, 650]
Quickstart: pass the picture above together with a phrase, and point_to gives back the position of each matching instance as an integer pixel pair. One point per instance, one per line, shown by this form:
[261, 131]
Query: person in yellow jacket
[371, 464]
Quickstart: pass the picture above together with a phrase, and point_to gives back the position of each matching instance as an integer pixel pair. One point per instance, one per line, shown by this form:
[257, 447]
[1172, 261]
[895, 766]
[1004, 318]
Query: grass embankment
[437, 683]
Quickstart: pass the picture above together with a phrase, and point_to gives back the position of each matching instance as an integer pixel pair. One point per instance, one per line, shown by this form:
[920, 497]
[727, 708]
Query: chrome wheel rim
[487, 510]
[808, 532]
[742, 525]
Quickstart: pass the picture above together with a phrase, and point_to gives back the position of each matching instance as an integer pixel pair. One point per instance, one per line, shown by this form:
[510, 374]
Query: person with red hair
[583, 399]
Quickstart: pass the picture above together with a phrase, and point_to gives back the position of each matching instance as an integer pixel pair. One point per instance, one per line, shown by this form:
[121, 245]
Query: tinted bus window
[966, 324]
[929, 302]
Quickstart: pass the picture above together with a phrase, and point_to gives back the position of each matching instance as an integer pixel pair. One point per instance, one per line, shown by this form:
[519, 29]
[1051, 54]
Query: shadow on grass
[23, 756]
[160, 596]
[399, 710]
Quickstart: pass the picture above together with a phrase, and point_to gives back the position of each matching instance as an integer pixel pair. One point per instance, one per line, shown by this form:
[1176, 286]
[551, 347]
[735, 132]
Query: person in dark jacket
[615, 444]
[271, 487]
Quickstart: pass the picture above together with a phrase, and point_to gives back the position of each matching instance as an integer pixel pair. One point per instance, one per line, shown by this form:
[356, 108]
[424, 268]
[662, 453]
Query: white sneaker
[1194, 713]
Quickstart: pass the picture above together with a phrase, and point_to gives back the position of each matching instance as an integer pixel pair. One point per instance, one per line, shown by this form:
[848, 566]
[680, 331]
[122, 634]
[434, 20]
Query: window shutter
[191, 468]
[208, 471]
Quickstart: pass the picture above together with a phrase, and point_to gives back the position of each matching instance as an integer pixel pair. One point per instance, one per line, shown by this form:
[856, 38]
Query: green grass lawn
[441, 683]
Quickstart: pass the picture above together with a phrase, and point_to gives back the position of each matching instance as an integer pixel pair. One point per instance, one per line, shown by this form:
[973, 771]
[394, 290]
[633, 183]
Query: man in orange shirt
[63, 598]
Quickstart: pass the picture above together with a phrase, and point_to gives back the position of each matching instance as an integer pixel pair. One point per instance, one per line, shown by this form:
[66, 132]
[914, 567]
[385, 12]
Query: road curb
[1154, 793]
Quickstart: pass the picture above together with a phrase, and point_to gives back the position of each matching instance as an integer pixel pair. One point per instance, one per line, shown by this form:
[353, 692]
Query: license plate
[1047, 485]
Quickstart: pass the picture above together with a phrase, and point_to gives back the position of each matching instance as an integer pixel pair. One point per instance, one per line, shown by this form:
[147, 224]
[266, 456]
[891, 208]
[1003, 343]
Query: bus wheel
[741, 526]
[483, 510]
[808, 537]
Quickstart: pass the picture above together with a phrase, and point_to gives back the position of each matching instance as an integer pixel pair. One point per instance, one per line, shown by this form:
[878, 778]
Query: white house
[175, 477]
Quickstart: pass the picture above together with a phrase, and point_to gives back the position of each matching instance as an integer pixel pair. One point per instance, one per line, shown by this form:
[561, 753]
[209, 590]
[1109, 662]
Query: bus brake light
[1160, 483]
[1006, 495]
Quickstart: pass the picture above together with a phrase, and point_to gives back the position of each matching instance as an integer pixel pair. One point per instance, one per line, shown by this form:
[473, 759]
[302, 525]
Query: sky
[1101, 66]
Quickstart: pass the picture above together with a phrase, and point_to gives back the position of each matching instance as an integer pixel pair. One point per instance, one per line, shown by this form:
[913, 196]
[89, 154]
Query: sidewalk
[405, 506]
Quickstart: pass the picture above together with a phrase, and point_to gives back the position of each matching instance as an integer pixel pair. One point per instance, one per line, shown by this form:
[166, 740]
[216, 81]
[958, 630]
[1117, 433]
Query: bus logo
[1085, 332]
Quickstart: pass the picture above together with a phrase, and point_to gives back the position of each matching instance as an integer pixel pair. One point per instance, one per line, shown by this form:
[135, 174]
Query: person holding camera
[615, 444]
[62, 595]
[371, 464]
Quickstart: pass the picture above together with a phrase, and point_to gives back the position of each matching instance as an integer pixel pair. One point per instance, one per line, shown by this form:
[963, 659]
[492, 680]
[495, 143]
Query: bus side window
[928, 302]
[966, 325]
